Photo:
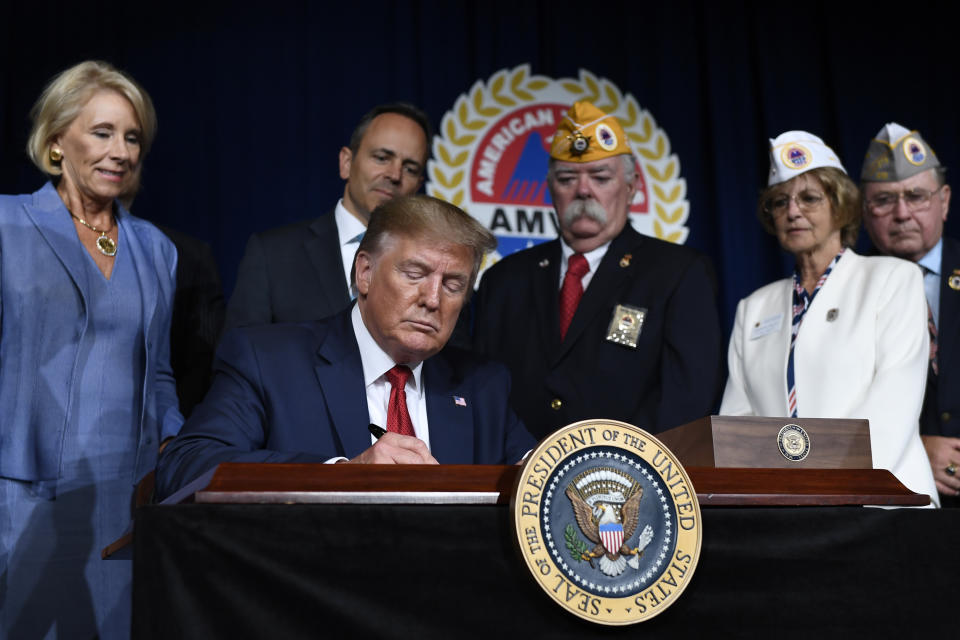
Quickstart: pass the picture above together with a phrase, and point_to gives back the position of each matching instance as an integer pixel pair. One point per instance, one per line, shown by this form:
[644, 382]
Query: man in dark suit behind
[307, 392]
[301, 272]
[643, 344]
[198, 311]
[906, 201]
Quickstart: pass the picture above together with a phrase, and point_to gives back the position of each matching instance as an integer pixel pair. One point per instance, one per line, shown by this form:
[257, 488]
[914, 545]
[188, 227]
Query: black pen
[376, 431]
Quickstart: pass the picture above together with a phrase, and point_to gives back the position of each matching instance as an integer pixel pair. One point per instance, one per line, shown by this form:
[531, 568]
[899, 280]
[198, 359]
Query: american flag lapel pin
[459, 401]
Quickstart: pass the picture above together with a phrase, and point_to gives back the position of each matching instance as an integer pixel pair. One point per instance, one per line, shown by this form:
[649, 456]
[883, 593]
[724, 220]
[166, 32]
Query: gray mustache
[588, 208]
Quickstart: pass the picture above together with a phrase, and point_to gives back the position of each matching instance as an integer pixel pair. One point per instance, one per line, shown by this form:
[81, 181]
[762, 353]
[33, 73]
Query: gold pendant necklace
[105, 243]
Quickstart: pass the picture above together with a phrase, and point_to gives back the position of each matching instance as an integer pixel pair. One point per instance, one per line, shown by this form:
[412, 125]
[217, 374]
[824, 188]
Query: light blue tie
[355, 239]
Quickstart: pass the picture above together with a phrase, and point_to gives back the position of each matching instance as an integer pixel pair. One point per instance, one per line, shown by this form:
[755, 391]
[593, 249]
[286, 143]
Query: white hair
[629, 167]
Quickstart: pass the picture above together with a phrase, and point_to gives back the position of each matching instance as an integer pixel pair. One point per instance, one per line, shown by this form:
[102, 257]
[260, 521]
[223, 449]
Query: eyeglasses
[806, 201]
[883, 203]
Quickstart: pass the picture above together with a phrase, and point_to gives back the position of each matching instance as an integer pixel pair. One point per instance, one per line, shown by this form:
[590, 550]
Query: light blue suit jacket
[44, 289]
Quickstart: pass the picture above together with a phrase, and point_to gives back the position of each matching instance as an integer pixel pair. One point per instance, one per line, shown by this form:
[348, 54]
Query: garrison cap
[586, 134]
[896, 154]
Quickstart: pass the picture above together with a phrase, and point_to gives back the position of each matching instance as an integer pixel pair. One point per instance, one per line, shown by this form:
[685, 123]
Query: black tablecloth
[310, 571]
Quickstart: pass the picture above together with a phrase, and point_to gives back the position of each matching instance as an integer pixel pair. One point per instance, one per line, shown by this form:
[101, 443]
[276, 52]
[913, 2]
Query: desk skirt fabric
[360, 571]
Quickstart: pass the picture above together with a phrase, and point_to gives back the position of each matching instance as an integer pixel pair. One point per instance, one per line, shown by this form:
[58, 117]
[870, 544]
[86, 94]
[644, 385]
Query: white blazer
[862, 352]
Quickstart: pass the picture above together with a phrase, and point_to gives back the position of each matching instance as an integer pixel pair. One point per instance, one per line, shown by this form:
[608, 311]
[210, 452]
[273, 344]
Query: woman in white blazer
[846, 336]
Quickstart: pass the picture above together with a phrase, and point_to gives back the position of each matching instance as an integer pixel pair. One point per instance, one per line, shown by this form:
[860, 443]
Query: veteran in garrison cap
[603, 321]
[906, 201]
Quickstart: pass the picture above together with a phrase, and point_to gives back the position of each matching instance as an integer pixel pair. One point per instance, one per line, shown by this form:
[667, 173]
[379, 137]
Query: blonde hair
[66, 95]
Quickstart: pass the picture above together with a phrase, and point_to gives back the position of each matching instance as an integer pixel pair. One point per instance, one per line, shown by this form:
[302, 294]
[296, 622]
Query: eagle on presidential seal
[606, 504]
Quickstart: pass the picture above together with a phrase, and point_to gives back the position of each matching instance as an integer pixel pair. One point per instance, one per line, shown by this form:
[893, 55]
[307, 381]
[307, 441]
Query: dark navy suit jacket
[290, 274]
[198, 312]
[941, 404]
[295, 393]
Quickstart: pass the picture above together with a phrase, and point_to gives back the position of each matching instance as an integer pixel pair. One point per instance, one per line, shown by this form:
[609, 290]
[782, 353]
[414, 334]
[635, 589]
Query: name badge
[625, 325]
[765, 326]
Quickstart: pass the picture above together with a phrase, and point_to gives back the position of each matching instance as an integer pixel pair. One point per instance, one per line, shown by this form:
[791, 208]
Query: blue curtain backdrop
[255, 99]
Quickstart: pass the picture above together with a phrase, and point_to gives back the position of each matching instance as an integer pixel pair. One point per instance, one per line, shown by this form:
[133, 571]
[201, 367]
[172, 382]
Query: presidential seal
[607, 522]
[491, 156]
[794, 442]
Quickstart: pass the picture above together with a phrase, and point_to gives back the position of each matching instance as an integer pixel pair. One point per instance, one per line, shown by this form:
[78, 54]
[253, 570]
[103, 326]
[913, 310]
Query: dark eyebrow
[394, 154]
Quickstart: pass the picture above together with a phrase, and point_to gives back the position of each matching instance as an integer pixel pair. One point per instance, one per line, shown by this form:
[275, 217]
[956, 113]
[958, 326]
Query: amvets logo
[491, 157]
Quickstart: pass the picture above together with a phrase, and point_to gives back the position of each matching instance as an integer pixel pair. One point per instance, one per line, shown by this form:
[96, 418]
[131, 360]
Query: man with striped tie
[906, 200]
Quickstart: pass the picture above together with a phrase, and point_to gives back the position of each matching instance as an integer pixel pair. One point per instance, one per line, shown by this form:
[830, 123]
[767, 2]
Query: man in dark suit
[198, 311]
[307, 393]
[906, 201]
[643, 344]
[301, 272]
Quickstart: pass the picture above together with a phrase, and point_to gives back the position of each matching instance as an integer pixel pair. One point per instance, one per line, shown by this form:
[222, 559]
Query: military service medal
[607, 522]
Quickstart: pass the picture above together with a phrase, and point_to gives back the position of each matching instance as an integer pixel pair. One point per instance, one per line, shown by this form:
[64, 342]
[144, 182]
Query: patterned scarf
[801, 302]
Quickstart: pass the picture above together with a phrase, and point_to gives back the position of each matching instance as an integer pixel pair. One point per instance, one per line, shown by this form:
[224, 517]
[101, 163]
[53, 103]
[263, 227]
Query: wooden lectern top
[493, 484]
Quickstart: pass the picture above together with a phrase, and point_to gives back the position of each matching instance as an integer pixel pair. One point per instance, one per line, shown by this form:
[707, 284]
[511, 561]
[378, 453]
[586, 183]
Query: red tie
[398, 418]
[572, 290]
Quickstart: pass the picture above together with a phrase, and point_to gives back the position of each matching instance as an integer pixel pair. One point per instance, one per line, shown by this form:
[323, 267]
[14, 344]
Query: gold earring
[55, 155]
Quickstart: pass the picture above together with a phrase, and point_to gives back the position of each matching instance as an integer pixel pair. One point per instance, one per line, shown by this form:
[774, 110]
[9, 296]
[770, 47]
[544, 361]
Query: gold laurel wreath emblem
[474, 111]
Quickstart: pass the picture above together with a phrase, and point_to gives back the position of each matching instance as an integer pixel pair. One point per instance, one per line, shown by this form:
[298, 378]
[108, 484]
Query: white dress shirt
[349, 228]
[593, 259]
[376, 363]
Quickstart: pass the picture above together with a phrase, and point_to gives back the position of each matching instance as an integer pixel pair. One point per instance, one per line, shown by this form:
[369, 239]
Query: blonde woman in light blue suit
[846, 336]
[86, 392]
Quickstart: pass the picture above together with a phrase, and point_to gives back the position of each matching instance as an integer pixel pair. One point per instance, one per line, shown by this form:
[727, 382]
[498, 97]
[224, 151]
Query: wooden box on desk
[736, 461]
[752, 442]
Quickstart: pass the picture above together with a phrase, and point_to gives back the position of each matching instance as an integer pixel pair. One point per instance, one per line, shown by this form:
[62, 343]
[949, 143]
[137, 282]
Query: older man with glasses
[906, 200]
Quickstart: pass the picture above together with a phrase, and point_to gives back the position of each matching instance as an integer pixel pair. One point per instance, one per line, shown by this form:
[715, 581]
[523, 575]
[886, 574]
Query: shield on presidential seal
[611, 534]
